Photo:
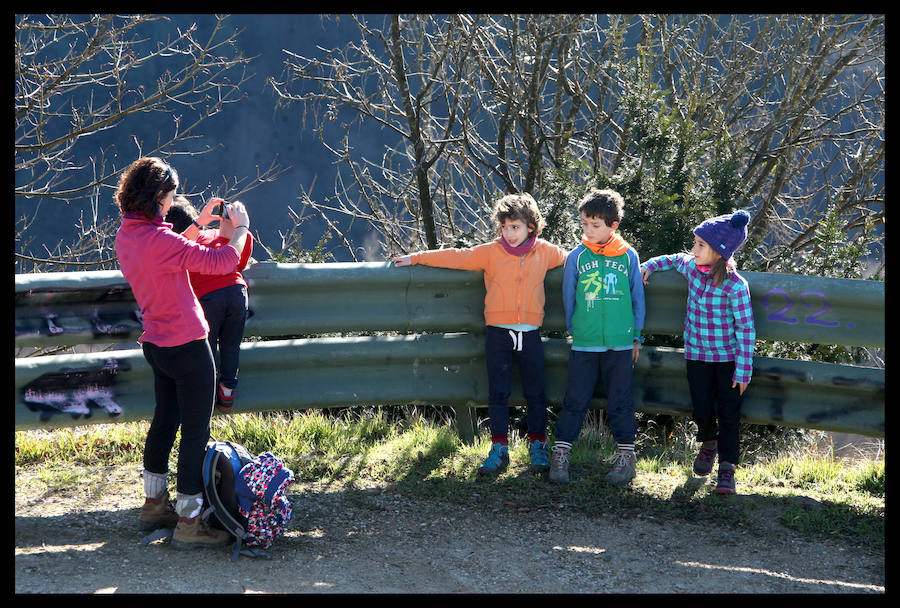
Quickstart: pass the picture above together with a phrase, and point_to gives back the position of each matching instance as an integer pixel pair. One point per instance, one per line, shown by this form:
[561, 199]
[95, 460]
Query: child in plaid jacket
[718, 339]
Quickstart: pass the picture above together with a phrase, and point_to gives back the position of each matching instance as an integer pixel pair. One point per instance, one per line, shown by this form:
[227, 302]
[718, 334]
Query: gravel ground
[380, 540]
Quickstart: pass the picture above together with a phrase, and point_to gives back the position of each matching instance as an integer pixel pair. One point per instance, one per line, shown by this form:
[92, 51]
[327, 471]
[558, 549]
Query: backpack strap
[252, 552]
[210, 463]
[157, 534]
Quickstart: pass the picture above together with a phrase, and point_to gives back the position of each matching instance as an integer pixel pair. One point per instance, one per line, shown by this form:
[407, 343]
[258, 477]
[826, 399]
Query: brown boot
[191, 533]
[158, 513]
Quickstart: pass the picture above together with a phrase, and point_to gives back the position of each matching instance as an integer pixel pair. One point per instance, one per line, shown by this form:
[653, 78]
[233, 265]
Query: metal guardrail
[301, 299]
[442, 369]
[293, 299]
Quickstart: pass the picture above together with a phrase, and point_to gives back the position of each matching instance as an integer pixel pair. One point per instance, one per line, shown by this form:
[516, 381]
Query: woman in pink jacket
[155, 261]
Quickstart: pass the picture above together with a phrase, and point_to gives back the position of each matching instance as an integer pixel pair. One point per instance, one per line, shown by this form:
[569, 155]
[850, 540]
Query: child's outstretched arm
[678, 261]
[475, 258]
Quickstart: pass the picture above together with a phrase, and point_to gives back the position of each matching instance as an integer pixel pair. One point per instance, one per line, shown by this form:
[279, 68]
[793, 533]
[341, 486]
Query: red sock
[542, 437]
[501, 439]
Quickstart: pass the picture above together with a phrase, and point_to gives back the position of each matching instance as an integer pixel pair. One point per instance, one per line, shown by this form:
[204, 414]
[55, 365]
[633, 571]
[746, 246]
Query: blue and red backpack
[246, 496]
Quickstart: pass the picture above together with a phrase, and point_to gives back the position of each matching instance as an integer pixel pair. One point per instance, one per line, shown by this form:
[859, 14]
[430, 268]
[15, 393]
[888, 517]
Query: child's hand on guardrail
[402, 260]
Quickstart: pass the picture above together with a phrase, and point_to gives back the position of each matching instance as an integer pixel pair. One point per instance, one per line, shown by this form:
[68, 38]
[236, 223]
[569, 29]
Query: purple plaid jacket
[718, 323]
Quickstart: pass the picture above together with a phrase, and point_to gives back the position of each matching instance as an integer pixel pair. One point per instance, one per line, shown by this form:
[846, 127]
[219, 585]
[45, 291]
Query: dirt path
[380, 540]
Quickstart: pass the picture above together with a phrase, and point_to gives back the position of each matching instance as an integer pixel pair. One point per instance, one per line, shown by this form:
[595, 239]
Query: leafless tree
[472, 106]
[78, 75]
[405, 79]
[802, 96]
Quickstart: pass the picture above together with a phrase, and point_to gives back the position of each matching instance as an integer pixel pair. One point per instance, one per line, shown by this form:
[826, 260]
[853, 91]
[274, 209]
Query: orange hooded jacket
[514, 284]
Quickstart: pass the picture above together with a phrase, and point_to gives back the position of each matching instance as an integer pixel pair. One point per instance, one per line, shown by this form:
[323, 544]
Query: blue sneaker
[540, 456]
[496, 461]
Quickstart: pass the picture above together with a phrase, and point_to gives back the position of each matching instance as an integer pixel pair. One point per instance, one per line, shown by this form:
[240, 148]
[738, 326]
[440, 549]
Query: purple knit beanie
[725, 233]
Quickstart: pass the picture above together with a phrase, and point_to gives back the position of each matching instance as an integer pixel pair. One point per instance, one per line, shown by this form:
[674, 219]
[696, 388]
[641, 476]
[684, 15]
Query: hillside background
[686, 115]
[247, 135]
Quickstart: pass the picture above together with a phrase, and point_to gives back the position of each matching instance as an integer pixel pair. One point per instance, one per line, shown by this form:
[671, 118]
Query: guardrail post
[466, 422]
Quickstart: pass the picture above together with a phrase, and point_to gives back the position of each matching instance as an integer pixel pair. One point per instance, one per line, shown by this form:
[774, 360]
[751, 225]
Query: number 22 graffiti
[820, 307]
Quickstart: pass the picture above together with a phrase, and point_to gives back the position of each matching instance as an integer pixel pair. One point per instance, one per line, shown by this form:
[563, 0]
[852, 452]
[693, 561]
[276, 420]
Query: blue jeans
[184, 380]
[226, 314]
[502, 347]
[617, 369]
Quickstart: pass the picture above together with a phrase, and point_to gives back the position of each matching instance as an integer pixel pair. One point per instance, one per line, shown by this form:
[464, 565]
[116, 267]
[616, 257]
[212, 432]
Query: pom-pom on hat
[725, 233]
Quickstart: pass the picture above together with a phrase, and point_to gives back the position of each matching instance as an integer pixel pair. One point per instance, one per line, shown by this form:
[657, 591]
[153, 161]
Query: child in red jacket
[514, 265]
[223, 296]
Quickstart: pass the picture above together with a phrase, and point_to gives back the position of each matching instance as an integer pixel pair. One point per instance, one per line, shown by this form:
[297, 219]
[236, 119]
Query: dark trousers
[226, 314]
[184, 380]
[585, 368]
[716, 406]
[502, 347]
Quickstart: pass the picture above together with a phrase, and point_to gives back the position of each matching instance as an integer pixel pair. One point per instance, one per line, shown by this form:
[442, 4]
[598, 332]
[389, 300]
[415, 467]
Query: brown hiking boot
[158, 513]
[191, 533]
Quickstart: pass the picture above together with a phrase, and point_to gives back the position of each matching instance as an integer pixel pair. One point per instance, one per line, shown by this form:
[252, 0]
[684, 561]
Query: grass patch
[417, 452]
[107, 443]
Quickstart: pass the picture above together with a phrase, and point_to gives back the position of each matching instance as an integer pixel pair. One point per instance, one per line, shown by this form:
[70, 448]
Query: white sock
[154, 484]
[189, 506]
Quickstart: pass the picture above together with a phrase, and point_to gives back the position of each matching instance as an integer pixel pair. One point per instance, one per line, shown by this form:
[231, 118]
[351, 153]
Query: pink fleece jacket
[155, 261]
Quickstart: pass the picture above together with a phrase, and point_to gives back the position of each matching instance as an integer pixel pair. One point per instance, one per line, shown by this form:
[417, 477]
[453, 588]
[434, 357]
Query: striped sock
[562, 445]
[626, 447]
[154, 484]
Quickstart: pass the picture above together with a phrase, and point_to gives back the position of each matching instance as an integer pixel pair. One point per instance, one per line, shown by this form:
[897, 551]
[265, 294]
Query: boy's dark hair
[143, 184]
[519, 207]
[607, 205]
[181, 214]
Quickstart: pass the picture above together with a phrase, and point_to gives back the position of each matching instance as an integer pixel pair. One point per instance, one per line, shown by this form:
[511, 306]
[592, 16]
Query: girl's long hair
[721, 270]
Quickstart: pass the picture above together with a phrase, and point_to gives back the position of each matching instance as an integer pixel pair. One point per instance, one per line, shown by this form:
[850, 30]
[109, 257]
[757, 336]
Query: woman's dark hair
[143, 184]
[181, 214]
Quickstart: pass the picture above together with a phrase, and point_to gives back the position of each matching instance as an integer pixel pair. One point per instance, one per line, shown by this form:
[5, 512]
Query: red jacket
[514, 284]
[205, 283]
[155, 261]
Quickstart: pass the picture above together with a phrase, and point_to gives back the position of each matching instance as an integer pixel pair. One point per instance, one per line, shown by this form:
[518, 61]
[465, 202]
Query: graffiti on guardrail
[107, 312]
[75, 391]
[80, 322]
[814, 300]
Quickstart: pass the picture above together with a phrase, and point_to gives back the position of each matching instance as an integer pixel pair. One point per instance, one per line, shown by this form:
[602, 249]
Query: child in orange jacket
[514, 265]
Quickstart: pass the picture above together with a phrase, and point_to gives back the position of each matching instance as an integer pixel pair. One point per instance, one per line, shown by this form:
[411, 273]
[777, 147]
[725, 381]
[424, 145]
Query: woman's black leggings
[184, 380]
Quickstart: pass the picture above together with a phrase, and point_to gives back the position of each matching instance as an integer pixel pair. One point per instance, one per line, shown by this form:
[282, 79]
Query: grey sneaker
[624, 468]
[559, 465]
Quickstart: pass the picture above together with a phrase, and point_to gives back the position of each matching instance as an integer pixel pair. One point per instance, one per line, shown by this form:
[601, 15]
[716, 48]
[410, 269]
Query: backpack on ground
[246, 496]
